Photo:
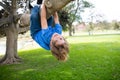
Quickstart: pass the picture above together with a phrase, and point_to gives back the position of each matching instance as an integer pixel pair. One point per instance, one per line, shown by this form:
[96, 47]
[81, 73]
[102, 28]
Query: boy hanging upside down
[47, 36]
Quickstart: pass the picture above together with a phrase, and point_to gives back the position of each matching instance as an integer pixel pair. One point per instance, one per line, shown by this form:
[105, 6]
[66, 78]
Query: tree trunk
[11, 55]
[70, 29]
[11, 32]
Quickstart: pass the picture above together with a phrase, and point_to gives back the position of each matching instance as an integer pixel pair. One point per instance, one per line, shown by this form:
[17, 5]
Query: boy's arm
[56, 18]
[43, 17]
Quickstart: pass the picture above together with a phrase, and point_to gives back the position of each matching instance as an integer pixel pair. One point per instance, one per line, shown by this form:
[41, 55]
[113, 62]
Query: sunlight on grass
[67, 73]
[88, 39]
[27, 70]
[47, 56]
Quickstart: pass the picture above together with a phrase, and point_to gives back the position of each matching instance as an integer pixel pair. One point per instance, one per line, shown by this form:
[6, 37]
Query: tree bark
[55, 5]
[11, 32]
[11, 55]
[70, 29]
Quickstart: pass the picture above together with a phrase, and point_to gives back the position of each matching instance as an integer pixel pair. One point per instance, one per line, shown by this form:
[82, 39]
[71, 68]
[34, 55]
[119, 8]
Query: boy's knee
[35, 13]
[34, 16]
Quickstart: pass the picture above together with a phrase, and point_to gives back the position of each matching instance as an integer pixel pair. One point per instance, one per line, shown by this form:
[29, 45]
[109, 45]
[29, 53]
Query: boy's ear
[48, 4]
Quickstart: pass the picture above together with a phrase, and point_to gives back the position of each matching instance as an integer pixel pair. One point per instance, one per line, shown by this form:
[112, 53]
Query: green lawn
[91, 58]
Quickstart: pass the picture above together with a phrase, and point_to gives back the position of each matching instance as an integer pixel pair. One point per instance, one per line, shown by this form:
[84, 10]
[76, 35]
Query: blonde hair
[60, 52]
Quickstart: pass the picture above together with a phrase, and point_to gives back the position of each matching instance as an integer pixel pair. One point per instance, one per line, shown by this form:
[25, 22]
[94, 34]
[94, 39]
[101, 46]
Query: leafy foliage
[104, 25]
[64, 18]
[116, 25]
[87, 4]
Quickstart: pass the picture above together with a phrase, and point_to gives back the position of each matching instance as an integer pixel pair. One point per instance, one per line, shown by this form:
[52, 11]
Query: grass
[91, 58]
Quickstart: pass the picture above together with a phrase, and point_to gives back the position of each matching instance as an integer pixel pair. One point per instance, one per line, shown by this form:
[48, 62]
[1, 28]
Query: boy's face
[57, 39]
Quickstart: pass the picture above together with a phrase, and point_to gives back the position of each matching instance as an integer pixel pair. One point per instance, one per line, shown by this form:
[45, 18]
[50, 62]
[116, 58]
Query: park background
[94, 44]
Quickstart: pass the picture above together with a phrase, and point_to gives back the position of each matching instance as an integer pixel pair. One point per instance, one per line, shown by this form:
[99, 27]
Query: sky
[108, 8]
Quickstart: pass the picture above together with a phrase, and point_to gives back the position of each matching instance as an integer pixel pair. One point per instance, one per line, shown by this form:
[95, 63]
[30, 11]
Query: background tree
[72, 12]
[64, 19]
[9, 25]
[116, 25]
[93, 18]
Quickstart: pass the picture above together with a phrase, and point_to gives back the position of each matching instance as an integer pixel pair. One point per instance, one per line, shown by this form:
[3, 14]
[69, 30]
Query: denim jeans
[35, 21]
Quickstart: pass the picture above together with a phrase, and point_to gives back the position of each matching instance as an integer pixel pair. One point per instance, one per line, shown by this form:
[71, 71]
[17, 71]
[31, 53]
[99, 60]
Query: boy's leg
[35, 19]
[35, 24]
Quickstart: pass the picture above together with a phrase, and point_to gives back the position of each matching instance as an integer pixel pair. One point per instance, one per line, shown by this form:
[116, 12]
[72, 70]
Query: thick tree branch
[17, 17]
[53, 5]
[5, 20]
[14, 7]
[24, 20]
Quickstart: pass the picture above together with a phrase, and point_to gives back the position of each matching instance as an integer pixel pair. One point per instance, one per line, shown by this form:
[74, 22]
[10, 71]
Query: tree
[64, 19]
[11, 32]
[74, 10]
[10, 22]
[116, 25]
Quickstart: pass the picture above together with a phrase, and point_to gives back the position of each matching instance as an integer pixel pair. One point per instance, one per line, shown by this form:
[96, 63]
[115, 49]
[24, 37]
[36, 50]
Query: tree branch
[6, 6]
[17, 17]
[24, 20]
[5, 21]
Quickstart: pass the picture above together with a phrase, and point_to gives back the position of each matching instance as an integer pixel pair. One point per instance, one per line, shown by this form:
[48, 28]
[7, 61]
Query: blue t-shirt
[43, 37]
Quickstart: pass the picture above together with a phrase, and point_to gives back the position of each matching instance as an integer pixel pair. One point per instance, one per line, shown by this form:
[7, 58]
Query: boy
[47, 36]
